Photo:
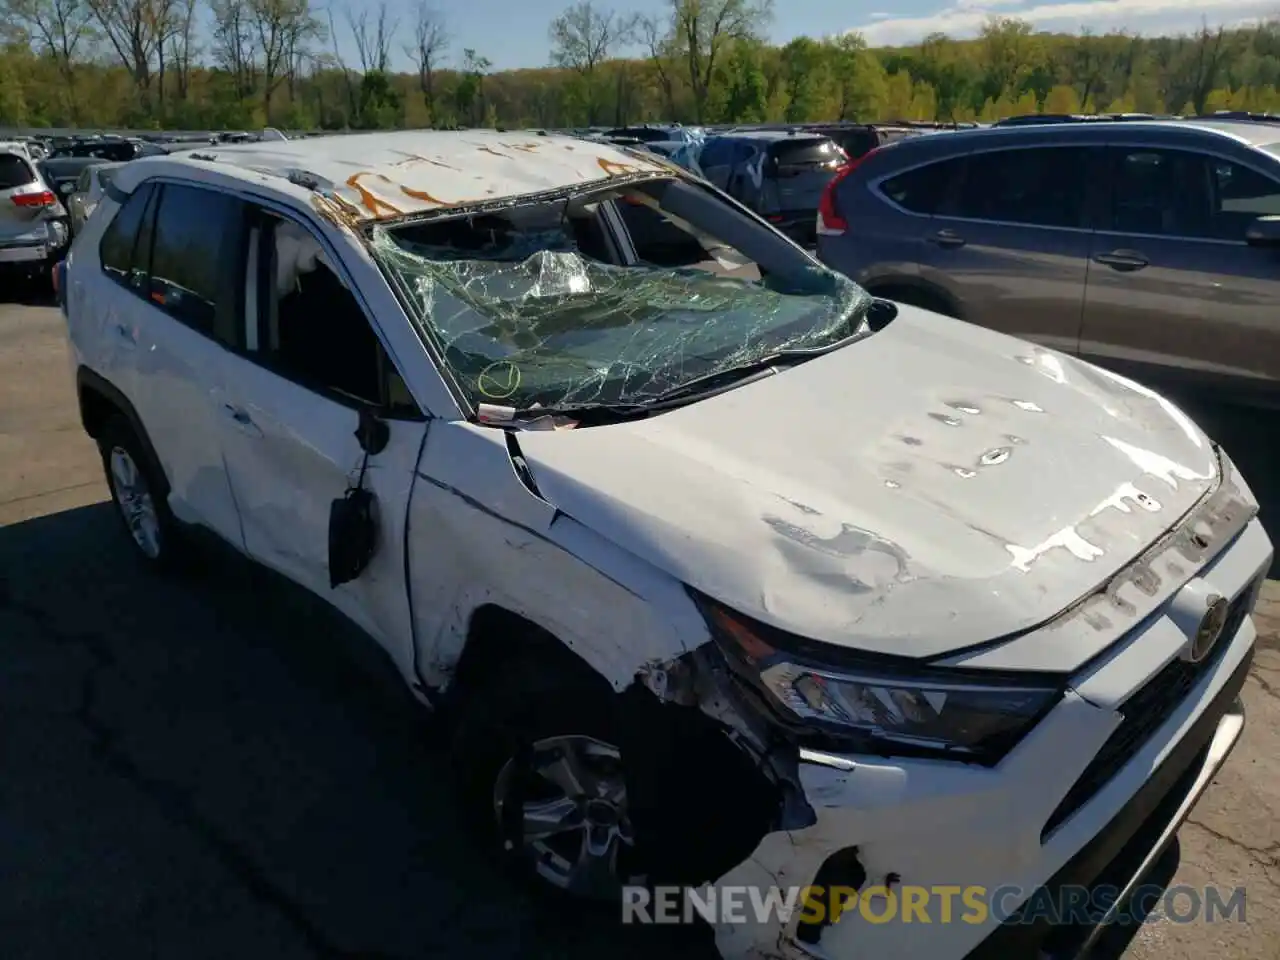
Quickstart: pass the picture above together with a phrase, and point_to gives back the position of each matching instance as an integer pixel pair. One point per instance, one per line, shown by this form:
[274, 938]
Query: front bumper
[918, 826]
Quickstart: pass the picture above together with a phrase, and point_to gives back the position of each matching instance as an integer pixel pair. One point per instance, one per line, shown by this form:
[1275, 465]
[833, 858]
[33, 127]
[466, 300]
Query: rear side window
[1040, 186]
[120, 252]
[922, 189]
[191, 228]
[14, 171]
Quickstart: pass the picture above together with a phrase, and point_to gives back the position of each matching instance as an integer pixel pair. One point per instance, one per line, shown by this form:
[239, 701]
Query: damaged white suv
[721, 570]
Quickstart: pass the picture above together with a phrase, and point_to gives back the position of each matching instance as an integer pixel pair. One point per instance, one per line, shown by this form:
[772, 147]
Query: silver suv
[1152, 248]
[33, 233]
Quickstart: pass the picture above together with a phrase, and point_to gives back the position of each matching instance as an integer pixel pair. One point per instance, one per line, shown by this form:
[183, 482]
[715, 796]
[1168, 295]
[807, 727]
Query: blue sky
[513, 33]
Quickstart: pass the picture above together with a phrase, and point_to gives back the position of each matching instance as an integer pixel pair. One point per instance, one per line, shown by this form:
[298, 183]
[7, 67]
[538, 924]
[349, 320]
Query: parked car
[716, 568]
[33, 229]
[1150, 247]
[776, 173]
[89, 188]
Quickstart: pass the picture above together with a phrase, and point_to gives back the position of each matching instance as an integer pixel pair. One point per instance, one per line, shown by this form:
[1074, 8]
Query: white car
[719, 569]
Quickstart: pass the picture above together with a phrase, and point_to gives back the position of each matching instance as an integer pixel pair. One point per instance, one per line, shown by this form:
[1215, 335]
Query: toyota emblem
[1210, 629]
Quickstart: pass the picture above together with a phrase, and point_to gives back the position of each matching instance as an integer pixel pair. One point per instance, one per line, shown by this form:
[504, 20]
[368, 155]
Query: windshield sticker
[499, 381]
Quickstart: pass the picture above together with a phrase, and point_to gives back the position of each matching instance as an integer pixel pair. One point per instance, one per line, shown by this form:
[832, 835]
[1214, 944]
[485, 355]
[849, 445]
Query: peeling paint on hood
[929, 488]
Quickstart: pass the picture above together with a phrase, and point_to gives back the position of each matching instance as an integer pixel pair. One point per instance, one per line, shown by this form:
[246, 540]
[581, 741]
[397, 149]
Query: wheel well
[497, 636]
[95, 410]
[917, 296]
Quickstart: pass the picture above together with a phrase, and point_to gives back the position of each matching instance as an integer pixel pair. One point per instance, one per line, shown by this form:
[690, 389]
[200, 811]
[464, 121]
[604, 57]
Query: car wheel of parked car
[539, 771]
[146, 517]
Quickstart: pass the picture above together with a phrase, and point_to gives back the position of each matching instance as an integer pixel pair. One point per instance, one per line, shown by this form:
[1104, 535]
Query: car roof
[1252, 134]
[400, 173]
[797, 134]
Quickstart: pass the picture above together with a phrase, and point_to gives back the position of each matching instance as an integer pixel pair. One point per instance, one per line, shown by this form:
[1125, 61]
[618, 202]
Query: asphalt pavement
[217, 765]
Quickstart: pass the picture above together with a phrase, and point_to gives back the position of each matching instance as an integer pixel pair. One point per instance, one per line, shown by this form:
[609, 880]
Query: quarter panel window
[187, 262]
[1039, 186]
[922, 189]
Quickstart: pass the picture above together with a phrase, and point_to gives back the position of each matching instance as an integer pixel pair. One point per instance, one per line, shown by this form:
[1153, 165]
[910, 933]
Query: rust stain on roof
[374, 204]
[614, 168]
[421, 195]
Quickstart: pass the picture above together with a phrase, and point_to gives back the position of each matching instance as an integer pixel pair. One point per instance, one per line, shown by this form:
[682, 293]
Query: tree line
[243, 64]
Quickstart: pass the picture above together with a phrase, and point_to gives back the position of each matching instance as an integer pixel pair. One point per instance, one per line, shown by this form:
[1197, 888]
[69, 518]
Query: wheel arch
[100, 400]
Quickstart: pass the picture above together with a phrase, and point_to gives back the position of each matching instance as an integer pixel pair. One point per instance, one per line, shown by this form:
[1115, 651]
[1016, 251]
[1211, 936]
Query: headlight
[56, 231]
[953, 714]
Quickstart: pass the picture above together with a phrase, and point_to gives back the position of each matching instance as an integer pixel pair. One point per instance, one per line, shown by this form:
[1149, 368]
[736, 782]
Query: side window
[1039, 186]
[188, 259]
[311, 329]
[922, 189]
[82, 182]
[122, 257]
[1240, 195]
[1159, 193]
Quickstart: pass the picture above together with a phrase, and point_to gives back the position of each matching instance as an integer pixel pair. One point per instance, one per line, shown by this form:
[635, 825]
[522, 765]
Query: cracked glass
[615, 298]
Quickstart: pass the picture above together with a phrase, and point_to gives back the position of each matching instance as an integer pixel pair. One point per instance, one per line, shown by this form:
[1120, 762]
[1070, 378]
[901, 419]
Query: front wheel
[541, 775]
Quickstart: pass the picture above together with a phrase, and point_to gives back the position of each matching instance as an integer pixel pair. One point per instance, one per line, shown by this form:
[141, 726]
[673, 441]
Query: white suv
[720, 569]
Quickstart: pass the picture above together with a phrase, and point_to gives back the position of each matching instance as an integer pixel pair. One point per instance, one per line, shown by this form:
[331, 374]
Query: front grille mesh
[1143, 714]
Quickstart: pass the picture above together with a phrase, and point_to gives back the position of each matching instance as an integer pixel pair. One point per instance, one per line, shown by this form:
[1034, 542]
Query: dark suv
[778, 174]
[1150, 247]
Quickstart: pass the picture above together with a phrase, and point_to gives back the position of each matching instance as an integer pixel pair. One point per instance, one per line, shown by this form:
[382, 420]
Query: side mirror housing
[1264, 232]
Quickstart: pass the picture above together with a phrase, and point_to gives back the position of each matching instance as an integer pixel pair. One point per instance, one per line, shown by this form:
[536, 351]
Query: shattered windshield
[615, 298]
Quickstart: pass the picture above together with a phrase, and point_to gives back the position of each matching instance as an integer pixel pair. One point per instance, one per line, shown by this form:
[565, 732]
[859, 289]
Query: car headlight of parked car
[870, 708]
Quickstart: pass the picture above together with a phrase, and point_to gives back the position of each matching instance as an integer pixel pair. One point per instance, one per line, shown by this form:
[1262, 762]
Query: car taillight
[45, 198]
[830, 223]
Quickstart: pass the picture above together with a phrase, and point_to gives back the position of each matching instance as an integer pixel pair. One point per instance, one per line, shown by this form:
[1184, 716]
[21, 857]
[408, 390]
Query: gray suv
[1151, 247]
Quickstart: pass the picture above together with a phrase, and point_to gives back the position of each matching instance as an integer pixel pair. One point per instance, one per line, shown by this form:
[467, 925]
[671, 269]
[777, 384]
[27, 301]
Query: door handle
[1126, 261]
[947, 239]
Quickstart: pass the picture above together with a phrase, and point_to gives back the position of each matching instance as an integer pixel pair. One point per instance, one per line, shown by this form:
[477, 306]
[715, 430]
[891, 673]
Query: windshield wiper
[709, 384]
[744, 373]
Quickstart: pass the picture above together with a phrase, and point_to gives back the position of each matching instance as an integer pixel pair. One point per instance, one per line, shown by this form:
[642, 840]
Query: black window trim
[257, 215]
[1205, 152]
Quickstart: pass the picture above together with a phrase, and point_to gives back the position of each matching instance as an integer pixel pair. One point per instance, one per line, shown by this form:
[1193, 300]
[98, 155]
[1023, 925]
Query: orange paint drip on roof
[372, 203]
[421, 195]
[613, 168]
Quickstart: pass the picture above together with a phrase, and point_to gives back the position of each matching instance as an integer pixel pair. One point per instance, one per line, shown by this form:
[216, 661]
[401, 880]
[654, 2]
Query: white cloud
[966, 17]
[879, 16]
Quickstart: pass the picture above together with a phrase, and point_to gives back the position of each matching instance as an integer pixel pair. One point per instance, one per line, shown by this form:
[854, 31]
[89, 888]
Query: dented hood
[932, 487]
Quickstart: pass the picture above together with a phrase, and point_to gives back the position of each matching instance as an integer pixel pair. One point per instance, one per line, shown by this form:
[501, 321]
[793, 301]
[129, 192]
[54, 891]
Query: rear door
[168, 315]
[1011, 239]
[1176, 296]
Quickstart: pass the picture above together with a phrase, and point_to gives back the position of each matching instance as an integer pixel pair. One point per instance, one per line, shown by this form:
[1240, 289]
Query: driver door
[1174, 293]
[289, 413]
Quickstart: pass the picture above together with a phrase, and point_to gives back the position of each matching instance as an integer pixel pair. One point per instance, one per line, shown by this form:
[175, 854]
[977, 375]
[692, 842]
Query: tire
[144, 513]
[519, 742]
